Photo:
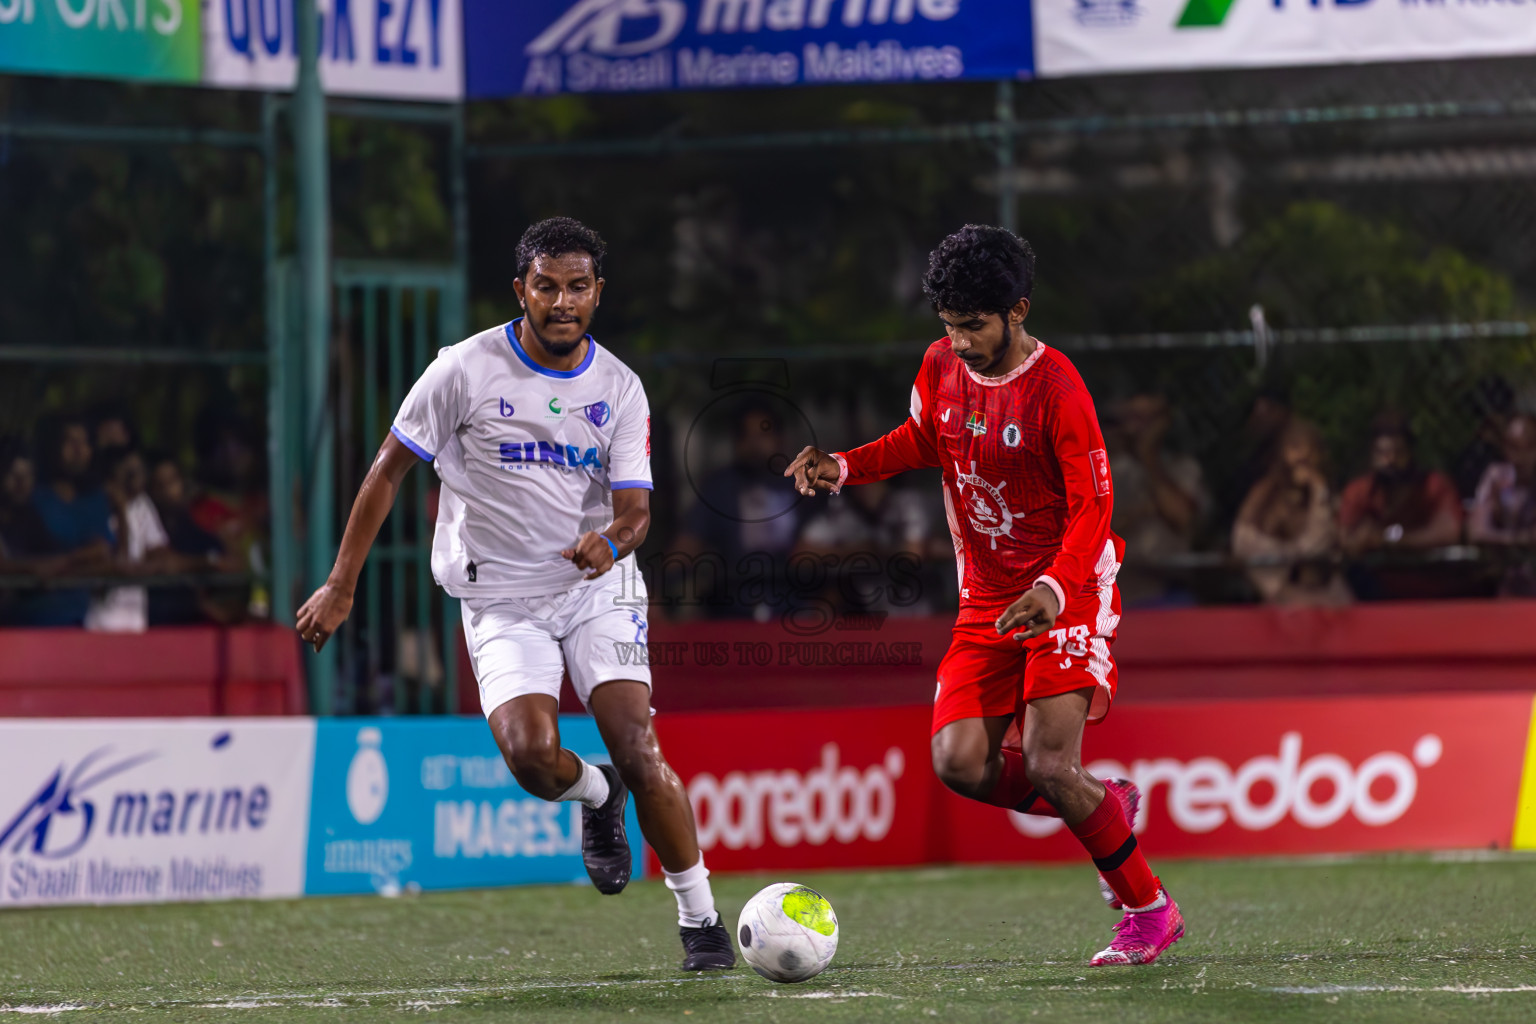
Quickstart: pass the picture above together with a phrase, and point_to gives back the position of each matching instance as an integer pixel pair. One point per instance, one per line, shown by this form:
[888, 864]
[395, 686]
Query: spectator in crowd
[76, 515]
[1399, 507]
[1398, 504]
[143, 546]
[1160, 497]
[1489, 404]
[1287, 521]
[1504, 508]
[25, 544]
[111, 428]
[745, 515]
[26, 548]
[232, 503]
[194, 545]
[878, 536]
[1250, 452]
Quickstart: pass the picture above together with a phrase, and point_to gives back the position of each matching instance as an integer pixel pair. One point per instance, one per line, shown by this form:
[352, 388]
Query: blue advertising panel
[530, 47]
[429, 802]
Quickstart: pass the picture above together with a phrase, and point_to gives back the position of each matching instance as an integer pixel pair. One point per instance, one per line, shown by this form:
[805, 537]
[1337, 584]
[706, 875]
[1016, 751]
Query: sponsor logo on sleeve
[1099, 459]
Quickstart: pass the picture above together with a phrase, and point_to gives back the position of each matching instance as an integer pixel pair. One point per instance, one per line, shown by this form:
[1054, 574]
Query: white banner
[141, 811]
[1079, 37]
[386, 49]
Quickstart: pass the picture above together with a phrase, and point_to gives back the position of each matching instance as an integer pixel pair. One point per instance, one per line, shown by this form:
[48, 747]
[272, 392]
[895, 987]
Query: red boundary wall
[1183, 654]
[170, 672]
[1173, 655]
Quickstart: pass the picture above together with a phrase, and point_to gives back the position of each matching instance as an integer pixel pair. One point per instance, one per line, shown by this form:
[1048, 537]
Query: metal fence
[1341, 242]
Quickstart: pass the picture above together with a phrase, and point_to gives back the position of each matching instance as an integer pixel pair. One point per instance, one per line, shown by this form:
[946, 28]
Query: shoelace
[1144, 929]
[708, 938]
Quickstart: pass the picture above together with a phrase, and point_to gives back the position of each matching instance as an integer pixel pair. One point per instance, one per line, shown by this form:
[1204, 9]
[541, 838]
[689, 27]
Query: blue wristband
[611, 547]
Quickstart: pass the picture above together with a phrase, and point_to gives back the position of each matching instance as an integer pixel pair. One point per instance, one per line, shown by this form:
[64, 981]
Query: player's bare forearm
[328, 607]
[597, 551]
[375, 498]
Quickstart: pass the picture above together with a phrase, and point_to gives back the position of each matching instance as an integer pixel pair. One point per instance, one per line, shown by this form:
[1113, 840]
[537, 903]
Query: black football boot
[604, 846]
[708, 948]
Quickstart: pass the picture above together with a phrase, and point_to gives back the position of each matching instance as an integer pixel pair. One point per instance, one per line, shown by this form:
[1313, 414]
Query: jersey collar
[517, 348]
[1017, 371]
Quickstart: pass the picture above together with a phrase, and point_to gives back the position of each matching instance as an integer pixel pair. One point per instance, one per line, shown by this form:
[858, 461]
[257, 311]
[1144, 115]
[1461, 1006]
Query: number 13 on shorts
[1071, 642]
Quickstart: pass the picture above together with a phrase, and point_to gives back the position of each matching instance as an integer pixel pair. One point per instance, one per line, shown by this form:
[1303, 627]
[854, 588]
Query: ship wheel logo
[984, 505]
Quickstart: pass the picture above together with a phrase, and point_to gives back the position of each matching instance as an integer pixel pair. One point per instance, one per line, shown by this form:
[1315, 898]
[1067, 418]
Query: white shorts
[523, 645]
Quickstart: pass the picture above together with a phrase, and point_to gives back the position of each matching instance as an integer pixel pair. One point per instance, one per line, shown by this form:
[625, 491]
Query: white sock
[591, 786]
[1157, 904]
[695, 899]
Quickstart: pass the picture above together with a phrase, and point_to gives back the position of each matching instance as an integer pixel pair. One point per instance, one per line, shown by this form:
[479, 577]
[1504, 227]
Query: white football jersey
[529, 458]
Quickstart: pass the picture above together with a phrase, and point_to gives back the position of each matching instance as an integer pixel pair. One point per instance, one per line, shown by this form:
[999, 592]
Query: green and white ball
[787, 932]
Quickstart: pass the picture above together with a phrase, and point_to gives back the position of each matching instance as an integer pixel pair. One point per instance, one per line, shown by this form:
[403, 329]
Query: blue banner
[531, 47]
[428, 802]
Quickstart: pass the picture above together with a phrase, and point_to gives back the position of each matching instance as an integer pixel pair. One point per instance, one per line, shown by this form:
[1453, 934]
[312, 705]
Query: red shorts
[984, 674]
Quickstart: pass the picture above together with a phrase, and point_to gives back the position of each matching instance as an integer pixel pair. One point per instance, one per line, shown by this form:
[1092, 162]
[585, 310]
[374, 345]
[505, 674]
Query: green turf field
[1389, 940]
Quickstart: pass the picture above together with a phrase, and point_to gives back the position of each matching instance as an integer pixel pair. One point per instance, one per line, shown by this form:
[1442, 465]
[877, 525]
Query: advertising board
[145, 810]
[552, 46]
[385, 49]
[1084, 37]
[835, 788]
[143, 39]
[429, 802]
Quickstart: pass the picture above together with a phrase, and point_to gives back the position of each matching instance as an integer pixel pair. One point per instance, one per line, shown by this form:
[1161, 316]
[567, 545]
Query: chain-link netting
[1209, 422]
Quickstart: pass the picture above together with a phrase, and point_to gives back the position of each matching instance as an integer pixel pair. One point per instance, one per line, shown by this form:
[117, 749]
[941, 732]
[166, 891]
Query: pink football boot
[1143, 935]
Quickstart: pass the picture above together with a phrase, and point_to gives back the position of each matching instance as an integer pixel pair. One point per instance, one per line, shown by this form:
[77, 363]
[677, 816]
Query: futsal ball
[787, 932]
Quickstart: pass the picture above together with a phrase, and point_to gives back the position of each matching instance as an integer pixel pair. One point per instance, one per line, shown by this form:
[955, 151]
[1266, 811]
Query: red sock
[1014, 792]
[1106, 835]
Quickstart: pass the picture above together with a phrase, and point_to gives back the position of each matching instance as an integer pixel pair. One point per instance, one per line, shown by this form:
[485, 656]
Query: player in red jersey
[1028, 495]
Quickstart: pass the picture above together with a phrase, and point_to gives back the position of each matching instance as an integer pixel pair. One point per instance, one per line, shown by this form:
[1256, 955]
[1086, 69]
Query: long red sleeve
[909, 446]
[1079, 448]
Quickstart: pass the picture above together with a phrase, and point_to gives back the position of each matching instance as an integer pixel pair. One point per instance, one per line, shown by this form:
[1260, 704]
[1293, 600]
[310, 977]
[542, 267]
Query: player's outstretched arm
[328, 607]
[814, 470]
[596, 552]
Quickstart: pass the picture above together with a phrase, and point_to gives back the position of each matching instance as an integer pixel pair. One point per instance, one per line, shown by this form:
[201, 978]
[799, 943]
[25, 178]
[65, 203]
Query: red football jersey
[1026, 477]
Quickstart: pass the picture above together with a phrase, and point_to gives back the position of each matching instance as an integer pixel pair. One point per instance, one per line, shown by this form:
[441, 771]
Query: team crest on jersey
[1012, 435]
[984, 505]
[977, 424]
[599, 413]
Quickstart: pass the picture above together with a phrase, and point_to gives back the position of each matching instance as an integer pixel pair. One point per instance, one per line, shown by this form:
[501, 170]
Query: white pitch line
[1338, 990]
[443, 996]
[57, 1008]
[827, 994]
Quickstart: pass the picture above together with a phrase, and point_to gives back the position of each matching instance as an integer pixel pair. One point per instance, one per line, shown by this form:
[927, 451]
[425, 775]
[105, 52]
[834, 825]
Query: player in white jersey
[542, 440]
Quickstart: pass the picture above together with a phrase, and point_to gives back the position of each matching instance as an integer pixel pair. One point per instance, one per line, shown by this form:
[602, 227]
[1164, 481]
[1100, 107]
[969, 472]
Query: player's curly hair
[980, 269]
[558, 236]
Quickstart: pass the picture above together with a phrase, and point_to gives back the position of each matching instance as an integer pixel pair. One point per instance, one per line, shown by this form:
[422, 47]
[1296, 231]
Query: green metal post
[397, 519]
[370, 436]
[310, 159]
[1007, 192]
[423, 537]
[452, 312]
[280, 426]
